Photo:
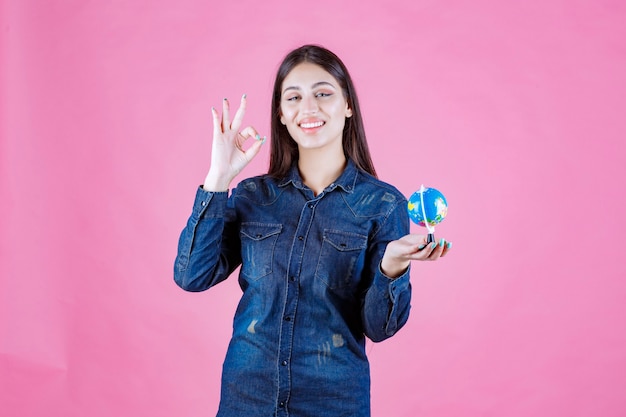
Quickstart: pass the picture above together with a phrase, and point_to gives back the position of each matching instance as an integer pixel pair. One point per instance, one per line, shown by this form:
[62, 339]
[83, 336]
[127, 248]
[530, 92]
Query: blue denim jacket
[312, 288]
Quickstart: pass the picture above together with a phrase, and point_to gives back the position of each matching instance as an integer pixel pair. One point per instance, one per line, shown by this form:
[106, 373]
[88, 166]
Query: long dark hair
[283, 149]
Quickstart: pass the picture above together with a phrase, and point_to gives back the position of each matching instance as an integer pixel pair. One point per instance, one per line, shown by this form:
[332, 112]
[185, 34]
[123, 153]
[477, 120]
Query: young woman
[324, 248]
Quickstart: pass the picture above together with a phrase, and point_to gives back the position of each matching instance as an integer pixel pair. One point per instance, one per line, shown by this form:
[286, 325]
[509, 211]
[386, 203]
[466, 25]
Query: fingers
[228, 133]
[427, 252]
[446, 248]
[236, 124]
[225, 123]
[250, 132]
[225, 115]
[217, 124]
[254, 149]
[430, 251]
[438, 251]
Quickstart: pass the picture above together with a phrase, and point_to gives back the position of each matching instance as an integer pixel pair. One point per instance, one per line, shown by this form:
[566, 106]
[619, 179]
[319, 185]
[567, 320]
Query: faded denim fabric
[312, 288]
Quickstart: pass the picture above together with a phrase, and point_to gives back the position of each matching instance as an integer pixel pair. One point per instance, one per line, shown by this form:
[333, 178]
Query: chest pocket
[258, 241]
[339, 257]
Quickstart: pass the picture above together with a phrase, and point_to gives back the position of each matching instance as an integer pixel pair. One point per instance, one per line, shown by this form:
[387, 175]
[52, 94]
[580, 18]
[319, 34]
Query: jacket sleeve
[208, 248]
[386, 302]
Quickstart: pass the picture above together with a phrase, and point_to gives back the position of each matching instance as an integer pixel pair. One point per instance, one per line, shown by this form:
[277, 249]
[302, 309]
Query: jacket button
[284, 363]
[300, 238]
[287, 318]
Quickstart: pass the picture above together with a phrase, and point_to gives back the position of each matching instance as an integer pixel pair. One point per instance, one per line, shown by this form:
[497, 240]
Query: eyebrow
[317, 84]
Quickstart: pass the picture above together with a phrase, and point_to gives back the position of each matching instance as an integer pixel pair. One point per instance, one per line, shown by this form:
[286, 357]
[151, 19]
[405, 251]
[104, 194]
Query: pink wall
[514, 109]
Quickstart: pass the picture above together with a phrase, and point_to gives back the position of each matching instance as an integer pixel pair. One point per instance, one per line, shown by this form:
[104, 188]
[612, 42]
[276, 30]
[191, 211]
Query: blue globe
[435, 207]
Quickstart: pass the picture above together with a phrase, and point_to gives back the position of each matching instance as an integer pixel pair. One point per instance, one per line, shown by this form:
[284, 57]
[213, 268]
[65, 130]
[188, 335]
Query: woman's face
[313, 108]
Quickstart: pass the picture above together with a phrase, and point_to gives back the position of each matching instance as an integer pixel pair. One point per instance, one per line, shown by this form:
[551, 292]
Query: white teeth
[311, 125]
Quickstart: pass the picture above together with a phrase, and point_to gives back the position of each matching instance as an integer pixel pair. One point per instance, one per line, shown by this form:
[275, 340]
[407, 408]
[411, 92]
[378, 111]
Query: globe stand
[431, 229]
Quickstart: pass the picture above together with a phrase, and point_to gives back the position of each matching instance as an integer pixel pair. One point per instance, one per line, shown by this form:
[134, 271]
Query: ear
[282, 120]
[348, 112]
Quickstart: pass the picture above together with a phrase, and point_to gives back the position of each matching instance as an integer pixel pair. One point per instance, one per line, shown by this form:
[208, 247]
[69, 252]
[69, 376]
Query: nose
[309, 104]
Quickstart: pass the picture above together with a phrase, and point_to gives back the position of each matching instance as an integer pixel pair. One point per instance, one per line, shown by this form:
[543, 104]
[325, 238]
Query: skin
[310, 96]
[314, 111]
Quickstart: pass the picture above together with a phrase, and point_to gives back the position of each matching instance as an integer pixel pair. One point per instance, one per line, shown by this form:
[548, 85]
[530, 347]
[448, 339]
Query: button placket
[291, 302]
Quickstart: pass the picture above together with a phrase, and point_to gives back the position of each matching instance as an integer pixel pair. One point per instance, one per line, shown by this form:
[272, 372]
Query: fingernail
[442, 242]
[420, 247]
[244, 96]
[449, 245]
[264, 139]
[433, 245]
[225, 99]
[257, 137]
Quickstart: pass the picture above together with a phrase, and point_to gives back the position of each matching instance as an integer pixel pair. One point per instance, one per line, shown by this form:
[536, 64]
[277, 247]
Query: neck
[319, 169]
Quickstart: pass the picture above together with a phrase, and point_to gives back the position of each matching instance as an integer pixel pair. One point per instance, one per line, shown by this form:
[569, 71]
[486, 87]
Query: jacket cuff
[209, 203]
[392, 286]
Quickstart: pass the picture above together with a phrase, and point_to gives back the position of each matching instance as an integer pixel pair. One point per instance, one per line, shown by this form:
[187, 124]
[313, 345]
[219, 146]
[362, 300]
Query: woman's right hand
[228, 156]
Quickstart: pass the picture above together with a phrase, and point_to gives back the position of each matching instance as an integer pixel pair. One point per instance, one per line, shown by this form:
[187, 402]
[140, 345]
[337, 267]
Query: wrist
[216, 183]
[393, 269]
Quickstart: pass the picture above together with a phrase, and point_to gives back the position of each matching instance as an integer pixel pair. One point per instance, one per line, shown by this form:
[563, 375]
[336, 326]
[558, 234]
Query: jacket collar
[346, 181]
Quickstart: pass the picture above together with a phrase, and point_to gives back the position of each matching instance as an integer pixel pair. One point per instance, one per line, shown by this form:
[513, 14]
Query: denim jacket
[312, 288]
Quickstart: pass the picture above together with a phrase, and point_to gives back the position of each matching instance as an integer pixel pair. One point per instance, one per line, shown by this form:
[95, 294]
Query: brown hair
[283, 149]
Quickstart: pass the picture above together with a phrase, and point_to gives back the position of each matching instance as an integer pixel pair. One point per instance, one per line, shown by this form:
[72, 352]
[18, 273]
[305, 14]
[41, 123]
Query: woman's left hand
[413, 247]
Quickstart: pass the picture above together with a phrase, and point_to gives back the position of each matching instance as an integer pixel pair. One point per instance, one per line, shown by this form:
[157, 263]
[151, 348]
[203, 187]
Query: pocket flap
[260, 231]
[345, 241]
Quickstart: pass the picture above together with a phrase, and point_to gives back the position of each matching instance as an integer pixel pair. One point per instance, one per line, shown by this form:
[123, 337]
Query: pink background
[515, 110]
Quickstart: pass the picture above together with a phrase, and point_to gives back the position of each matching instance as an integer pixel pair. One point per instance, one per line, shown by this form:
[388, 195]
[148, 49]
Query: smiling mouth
[311, 125]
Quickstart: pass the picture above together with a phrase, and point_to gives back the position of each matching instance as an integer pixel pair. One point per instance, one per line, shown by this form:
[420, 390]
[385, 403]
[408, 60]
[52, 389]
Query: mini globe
[427, 207]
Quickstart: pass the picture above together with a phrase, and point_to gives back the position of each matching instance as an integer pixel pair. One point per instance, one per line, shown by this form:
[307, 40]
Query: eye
[292, 98]
[323, 94]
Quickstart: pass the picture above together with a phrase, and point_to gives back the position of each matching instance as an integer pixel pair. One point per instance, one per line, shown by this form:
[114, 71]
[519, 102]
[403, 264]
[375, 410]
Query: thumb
[254, 149]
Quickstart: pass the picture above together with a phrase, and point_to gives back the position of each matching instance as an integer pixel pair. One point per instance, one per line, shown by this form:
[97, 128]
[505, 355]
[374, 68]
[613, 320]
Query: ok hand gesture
[228, 157]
